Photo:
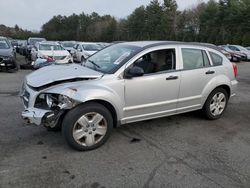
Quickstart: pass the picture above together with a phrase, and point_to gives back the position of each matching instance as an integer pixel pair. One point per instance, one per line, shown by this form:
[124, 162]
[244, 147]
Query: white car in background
[68, 45]
[52, 50]
[83, 50]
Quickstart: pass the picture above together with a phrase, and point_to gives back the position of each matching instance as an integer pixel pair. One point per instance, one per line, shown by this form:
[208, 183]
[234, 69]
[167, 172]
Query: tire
[90, 135]
[216, 104]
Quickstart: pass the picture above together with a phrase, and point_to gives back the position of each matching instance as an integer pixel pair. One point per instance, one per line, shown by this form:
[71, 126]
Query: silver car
[128, 82]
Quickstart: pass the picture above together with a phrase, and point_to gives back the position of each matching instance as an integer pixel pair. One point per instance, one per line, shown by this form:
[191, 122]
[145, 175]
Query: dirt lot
[179, 151]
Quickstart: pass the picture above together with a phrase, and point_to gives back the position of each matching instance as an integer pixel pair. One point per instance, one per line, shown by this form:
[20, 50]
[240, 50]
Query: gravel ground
[179, 151]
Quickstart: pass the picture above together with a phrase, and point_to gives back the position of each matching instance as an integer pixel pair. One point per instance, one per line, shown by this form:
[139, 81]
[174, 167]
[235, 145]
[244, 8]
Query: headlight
[49, 100]
[53, 101]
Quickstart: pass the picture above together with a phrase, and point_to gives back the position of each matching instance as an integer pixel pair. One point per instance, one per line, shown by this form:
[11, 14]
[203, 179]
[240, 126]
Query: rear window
[216, 59]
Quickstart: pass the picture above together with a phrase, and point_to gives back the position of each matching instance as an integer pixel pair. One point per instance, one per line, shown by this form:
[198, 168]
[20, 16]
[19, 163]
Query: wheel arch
[223, 86]
[109, 106]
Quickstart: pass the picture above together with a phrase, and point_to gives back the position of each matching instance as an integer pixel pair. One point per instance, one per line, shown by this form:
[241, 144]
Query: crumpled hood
[57, 73]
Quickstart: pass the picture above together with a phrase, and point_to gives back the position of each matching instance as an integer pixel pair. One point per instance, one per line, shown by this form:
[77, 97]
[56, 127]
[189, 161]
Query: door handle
[172, 78]
[210, 72]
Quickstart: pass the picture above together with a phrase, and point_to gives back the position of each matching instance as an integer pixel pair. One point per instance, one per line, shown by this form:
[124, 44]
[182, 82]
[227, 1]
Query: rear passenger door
[196, 73]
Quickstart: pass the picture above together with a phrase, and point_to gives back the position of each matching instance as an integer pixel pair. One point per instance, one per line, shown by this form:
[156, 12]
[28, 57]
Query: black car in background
[7, 56]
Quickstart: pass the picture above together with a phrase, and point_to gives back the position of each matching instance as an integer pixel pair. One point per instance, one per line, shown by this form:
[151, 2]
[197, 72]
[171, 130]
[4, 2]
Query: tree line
[222, 22]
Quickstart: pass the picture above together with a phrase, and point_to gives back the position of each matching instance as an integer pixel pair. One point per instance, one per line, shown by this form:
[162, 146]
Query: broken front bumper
[34, 115]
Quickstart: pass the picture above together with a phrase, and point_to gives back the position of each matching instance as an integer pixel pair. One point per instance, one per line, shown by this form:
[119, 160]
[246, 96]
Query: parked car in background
[19, 43]
[235, 56]
[227, 54]
[103, 44]
[23, 48]
[31, 43]
[54, 50]
[7, 56]
[83, 50]
[68, 45]
[14, 43]
[125, 83]
[238, 48]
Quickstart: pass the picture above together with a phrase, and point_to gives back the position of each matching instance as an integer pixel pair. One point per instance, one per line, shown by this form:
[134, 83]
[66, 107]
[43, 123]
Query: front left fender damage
[49, 116]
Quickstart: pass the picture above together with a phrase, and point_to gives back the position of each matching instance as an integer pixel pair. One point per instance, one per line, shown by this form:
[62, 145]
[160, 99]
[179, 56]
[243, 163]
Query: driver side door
[155, 94]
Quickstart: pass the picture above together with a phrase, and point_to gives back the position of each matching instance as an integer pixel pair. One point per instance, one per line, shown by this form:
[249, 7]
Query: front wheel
[87, 126]
[216, 104]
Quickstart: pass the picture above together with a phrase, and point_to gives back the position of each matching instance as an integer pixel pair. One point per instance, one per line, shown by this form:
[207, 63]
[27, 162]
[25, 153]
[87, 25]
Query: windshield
[4, 44]
[68, 44]
[91, 47]
[49, 47]
[110, 58]
[34, 41]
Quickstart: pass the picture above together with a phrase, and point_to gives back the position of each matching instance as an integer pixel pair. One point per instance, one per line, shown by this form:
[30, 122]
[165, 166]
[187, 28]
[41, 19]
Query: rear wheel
[216, 104]
[87, 126]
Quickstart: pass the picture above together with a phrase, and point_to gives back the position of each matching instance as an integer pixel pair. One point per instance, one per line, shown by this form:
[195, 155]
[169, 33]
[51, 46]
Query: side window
[217, 60]
[194, 58]
[205, 59]
[157, 61]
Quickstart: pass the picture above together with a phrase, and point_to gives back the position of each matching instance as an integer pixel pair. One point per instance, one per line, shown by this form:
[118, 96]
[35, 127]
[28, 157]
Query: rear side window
[194, 59]
[216, 59]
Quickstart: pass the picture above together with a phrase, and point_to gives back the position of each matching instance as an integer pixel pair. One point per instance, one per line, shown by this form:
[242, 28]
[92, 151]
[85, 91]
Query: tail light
[235, 69]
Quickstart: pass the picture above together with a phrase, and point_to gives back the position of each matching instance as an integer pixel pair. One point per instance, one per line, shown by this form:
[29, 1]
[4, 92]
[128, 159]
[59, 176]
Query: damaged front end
[48, 93]
[48, 109]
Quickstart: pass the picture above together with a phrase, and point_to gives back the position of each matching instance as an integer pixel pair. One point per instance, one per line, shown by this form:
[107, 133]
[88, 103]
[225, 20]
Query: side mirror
[134, 72]
[79, 50]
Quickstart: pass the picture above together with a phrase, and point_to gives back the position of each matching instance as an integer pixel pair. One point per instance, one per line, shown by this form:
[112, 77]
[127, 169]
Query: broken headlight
[53, 101]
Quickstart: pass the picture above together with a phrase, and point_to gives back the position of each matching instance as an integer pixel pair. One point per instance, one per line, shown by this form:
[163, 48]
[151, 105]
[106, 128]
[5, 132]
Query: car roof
[2, 37]
[147, 44]
[87, 43]
[36, 38]
[68, 41]
[49, 42]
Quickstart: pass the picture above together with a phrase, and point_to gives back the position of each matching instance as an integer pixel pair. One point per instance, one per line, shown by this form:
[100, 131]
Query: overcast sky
[32, 14]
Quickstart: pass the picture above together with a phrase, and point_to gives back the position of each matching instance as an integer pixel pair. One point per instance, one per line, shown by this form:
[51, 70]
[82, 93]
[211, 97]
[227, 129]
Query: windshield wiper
[94, 64]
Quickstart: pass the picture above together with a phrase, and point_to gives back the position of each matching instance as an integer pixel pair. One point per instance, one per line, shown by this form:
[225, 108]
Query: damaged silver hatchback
[125, 83]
